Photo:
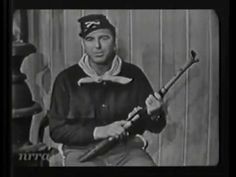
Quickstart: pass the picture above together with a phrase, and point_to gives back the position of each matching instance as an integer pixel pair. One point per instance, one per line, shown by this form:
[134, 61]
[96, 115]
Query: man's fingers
[122, 122]
[147, 101]
[136, 109]
[123, 135]
[110, 138]
[153, 103]
[136, 117]
[132, 113]
[119, 133]
[153, 100]
[118, 129]
[158, 96]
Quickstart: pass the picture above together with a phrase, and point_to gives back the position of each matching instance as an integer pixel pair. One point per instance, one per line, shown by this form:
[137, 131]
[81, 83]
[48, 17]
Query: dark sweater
[76, 110]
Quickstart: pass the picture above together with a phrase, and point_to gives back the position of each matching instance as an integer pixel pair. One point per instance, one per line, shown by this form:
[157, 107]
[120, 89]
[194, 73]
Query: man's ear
[115, 44]
[82, 44]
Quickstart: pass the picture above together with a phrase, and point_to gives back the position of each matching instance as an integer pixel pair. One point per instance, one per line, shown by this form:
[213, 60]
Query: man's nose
[98, 44]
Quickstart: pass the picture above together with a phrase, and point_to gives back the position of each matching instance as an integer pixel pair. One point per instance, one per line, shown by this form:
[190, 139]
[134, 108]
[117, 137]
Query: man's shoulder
[73, 71]
[130, 69]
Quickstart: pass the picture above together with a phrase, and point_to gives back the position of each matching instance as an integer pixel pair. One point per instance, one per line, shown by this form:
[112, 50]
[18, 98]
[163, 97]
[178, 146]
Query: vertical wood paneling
[95, 11]
[210, 89]
[198, 90]
[120, 19]
[71, 35]
[174, 45]
[131, 35]
[145, 29]
[58, 61]
[45, 35]
[157, 41]
[160, 78]
[44, 76]
[214, 126]
[146, 44]
[31, 66]
[187, 90]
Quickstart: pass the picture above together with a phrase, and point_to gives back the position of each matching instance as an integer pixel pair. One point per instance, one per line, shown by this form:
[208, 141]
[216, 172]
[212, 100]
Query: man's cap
[94, 22]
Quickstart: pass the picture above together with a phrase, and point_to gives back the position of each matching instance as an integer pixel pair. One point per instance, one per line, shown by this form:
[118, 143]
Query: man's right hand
[115, 129]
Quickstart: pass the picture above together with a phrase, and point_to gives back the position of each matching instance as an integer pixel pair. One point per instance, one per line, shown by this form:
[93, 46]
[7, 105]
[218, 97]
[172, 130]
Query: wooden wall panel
[145, 54]
[120, 19]
[72, 45]
[158, 41]
[213, 135]
[32, 65]
[198, 97]
[58, 61]
[146, 42]
[174, 56]
[95, 11]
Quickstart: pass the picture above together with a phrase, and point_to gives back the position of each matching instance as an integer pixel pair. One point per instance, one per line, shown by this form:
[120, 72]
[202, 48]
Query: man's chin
[100, 61]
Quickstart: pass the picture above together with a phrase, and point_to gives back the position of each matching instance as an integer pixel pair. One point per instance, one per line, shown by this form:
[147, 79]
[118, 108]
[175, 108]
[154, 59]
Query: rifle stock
[106, 144]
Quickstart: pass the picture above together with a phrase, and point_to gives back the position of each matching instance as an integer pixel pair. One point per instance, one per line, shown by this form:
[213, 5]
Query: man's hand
[115, 129]
[136, 109]
[153, 103]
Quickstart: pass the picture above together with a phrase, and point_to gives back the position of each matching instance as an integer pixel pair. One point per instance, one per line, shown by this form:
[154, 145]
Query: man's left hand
[153, 103]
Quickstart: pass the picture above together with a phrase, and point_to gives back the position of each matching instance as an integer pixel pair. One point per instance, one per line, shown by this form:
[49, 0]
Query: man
[92, 100]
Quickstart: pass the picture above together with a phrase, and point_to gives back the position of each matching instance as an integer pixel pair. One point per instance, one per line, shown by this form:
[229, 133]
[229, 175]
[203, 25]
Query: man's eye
[105, 37]
[88, 38]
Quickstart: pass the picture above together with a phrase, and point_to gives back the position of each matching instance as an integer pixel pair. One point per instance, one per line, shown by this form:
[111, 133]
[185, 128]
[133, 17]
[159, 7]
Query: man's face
[99, 45]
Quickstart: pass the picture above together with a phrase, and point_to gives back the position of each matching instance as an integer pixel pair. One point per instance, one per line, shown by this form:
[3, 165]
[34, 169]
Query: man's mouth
[98, 54]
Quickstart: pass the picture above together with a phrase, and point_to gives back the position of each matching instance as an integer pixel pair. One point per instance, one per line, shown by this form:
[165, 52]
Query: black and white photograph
[116, 88]
[94, 83]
